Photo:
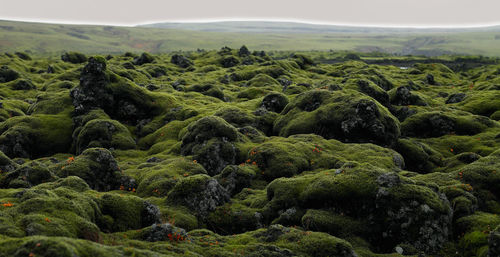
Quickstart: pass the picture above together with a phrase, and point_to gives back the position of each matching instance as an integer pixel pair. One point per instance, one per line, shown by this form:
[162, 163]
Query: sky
[395, 13]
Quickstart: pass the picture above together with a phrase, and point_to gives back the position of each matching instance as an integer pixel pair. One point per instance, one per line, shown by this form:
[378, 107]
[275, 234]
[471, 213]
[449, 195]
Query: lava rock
[93, 91]
[99, 169]
[199, 193]
[403, 96]
[229, 61]
[243, 51]
[28, 175]
[74, 57]
[211, 142]
[455, 98]
[164, 232]
[274, 102]
[181, 61]
[143, 59]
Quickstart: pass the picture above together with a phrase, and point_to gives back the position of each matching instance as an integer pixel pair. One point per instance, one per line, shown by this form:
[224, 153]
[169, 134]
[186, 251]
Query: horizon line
[215, 20]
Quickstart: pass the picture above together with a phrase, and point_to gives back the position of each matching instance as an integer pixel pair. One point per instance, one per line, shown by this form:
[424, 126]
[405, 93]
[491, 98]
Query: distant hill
[296, 27]
[51, 39]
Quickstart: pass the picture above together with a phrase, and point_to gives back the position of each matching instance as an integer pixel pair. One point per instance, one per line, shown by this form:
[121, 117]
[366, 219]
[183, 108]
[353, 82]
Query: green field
[43, 38]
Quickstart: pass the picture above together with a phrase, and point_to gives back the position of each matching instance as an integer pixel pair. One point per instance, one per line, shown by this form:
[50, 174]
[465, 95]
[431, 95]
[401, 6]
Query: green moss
[36, 135]
[104, 133]
[74, 57]
[343, 115]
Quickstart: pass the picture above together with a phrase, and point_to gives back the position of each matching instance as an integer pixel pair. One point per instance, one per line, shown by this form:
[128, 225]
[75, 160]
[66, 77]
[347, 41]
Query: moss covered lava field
[241, 153]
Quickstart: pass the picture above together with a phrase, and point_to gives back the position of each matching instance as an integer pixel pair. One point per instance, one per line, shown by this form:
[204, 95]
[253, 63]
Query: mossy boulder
[105, 134]
[181, 61]
[438, 123]
[229, 61]
[404, 96]
[234, 178]
[144, 58]
[200, 193]
[418, 156]
[35, 135]
[7, 74]
[494, 242]
[208, 90]
[6, 164]
[127, 212]
[211, 142]
[274, 102]
[98, 168]
[159, 179]
[401, 208]
[27, 175]
[22, 84]
[120, 99]
[343, 115]
[73, 57]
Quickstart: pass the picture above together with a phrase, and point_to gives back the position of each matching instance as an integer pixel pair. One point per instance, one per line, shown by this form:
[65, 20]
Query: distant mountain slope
[296, 27]
[50, 39]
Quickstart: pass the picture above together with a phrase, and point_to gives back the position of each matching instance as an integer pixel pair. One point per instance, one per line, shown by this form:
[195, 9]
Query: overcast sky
[421, 13]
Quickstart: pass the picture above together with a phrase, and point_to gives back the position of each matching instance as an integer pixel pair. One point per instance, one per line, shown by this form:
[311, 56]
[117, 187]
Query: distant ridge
[55, 39]
[299, 27]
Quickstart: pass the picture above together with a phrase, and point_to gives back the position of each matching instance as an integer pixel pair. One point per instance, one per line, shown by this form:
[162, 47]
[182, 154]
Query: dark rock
[99, 169]
[50, 69]
[403, 96]
[243, 51]
[272, 233]
[74, 57]
[468, 157]
[161, 232]
[154, 159]
[494, 243]
[6, 164]
[455, 98]
[346, 116]
[411, 221]
[274, 102]
[372, 90]
[128, 66]
[23, 84]
[430, 79]
[334, 87]
[93, 91]
[403, 112]
[28, 175]
[23, 56]
[230, 61]
[234, 178]
[211, 142]
[150, 214]
[181, 61]
[152, 87]
[199, 193]
[443, 94]
[7, 74]
[143, 59]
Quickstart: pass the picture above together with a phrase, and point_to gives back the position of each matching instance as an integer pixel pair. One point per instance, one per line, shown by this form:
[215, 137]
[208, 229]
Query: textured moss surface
[241, 153]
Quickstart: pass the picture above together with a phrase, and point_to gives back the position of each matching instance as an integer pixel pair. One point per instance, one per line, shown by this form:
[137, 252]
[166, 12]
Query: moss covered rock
[211, 142]
[36, 135]
[343, 115]
[105, 134]
[98, 168]
[200, 193]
